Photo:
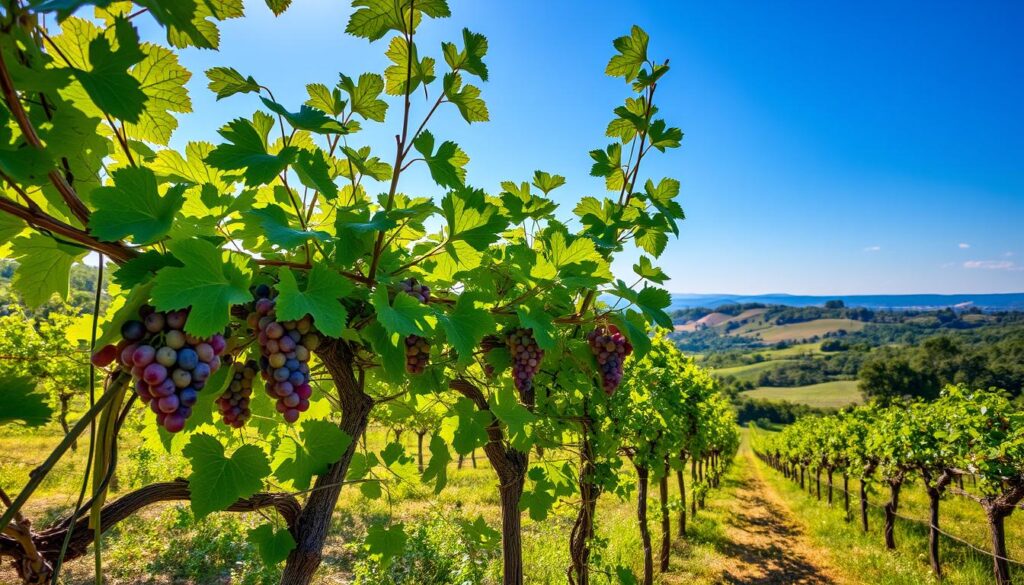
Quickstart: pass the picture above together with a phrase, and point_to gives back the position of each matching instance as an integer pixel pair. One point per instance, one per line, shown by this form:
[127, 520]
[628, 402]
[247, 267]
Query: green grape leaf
[547, 182]
[324, 99]
[22, 402]
[227, 81]
[189, 169]
[437, 468]
[472, 218]
[364, 96]
[633, 325]
[374, 18]
[371, 489]
[386, 543]
[466, 325]
[108, 83]
[651, 300]
[274, 223]
[608, 164]
[307, 118]
[274, 544]
[407, 71]
[205, 282]
[246, 150]
[447, 165]
[278, 6]
[470, 59]
[405, 316]
[580, 251]
[134, 207]
[389, 348]
[315, 173]
[200, 31]
[532, 316]
[662, 137]
[323, 443]
[651, 240]
[467, 99]
[320, 299]
[662, 197]
[162, 79]
[471, 429]
[218, 481]
[646, 269]
[44, 267]
[632, 55]
[515, 416]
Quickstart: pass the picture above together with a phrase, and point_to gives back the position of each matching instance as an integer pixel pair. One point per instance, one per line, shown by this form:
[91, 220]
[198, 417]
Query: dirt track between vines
[764, 543]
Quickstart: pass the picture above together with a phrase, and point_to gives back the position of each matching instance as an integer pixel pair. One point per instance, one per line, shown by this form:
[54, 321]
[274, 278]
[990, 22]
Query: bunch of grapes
[169, 366]
[234, 402]
[286, 347]
[526, 358]
[610, 349]
[417, 349]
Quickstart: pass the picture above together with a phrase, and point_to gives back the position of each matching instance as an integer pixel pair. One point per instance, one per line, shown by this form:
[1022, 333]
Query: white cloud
[873, 249]
[963, 246]
[992, 265]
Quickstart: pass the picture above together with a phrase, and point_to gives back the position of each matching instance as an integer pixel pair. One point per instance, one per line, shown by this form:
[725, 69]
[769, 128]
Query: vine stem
[37, 475]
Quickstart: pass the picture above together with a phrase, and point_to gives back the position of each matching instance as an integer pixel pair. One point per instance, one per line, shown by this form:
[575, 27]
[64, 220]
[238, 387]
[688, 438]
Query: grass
[750, 372]
[805, 330]
[864, 555]
[836, 394]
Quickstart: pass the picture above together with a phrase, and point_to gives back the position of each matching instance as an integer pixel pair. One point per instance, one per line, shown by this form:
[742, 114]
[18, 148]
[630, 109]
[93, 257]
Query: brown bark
[864, 504]
[645, 533]
[419, 449]
[828, 475]
[997, 529]
[310, 531]
[891, 507]
[682, 495]
[583, 528]
[666, 520]
[846, 496]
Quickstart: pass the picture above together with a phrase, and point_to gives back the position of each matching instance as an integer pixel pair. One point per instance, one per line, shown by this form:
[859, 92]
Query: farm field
[750, 372]
[804, 330]
[836, 394]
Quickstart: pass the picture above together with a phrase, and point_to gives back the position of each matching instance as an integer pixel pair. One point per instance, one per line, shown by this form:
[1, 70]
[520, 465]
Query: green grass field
[750, 372]
[835, 394]
[805, 330]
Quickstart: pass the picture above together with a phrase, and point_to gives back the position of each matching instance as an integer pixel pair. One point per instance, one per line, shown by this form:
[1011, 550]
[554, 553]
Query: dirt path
[764, 542]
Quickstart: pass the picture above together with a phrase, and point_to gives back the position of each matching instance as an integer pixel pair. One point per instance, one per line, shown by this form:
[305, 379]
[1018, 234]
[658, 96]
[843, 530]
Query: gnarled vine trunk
[583, 528]
[996, 516]
[310, 530]
[666, 520]
[891, 508]
[864, 504]
[641, 516]
[419, 449]
[846, 496]
[682, 495]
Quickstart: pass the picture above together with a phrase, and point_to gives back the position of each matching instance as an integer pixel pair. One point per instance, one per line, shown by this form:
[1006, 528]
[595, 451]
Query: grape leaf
[547, 182]
[651, 300]
[632, 55]
[205, 282]
[646, 269]
[227, 81]
[108, 82]
[581, 250]
[22, 402]
[274, 224]
[320, 299]
[314, 172]
[218, 481]
[467, 99]
[374, 18]
[437, 467]
[469, 59]
[278, 6]
[406, 316]
[44, 267]
[322, 444]
[134, 207]
[273, 544]
[471, 430]
[162, 79]
[386, 543]
[307, 118]
[404, 77]
[324, 99]
[447, 165]
[247, 151]
[472, 218]
[364, 96]
[465, 326]
[662, 137]
[389, 348]
[515, 416]
[532, 316]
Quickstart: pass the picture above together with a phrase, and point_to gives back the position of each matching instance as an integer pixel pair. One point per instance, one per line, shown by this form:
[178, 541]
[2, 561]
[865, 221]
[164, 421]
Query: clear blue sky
[865, 148]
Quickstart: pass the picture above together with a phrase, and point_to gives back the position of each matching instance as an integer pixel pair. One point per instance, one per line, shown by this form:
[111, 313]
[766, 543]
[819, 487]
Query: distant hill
[987, 302]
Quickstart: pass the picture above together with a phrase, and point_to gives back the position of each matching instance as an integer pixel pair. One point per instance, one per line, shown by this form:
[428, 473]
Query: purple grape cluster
[234, 402]
[286, 347]
[169, 366]
[526, 358]
[417, 349]
[610, 349]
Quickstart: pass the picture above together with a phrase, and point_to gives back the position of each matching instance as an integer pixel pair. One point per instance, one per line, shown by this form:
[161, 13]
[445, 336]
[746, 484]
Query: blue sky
[868, 148]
